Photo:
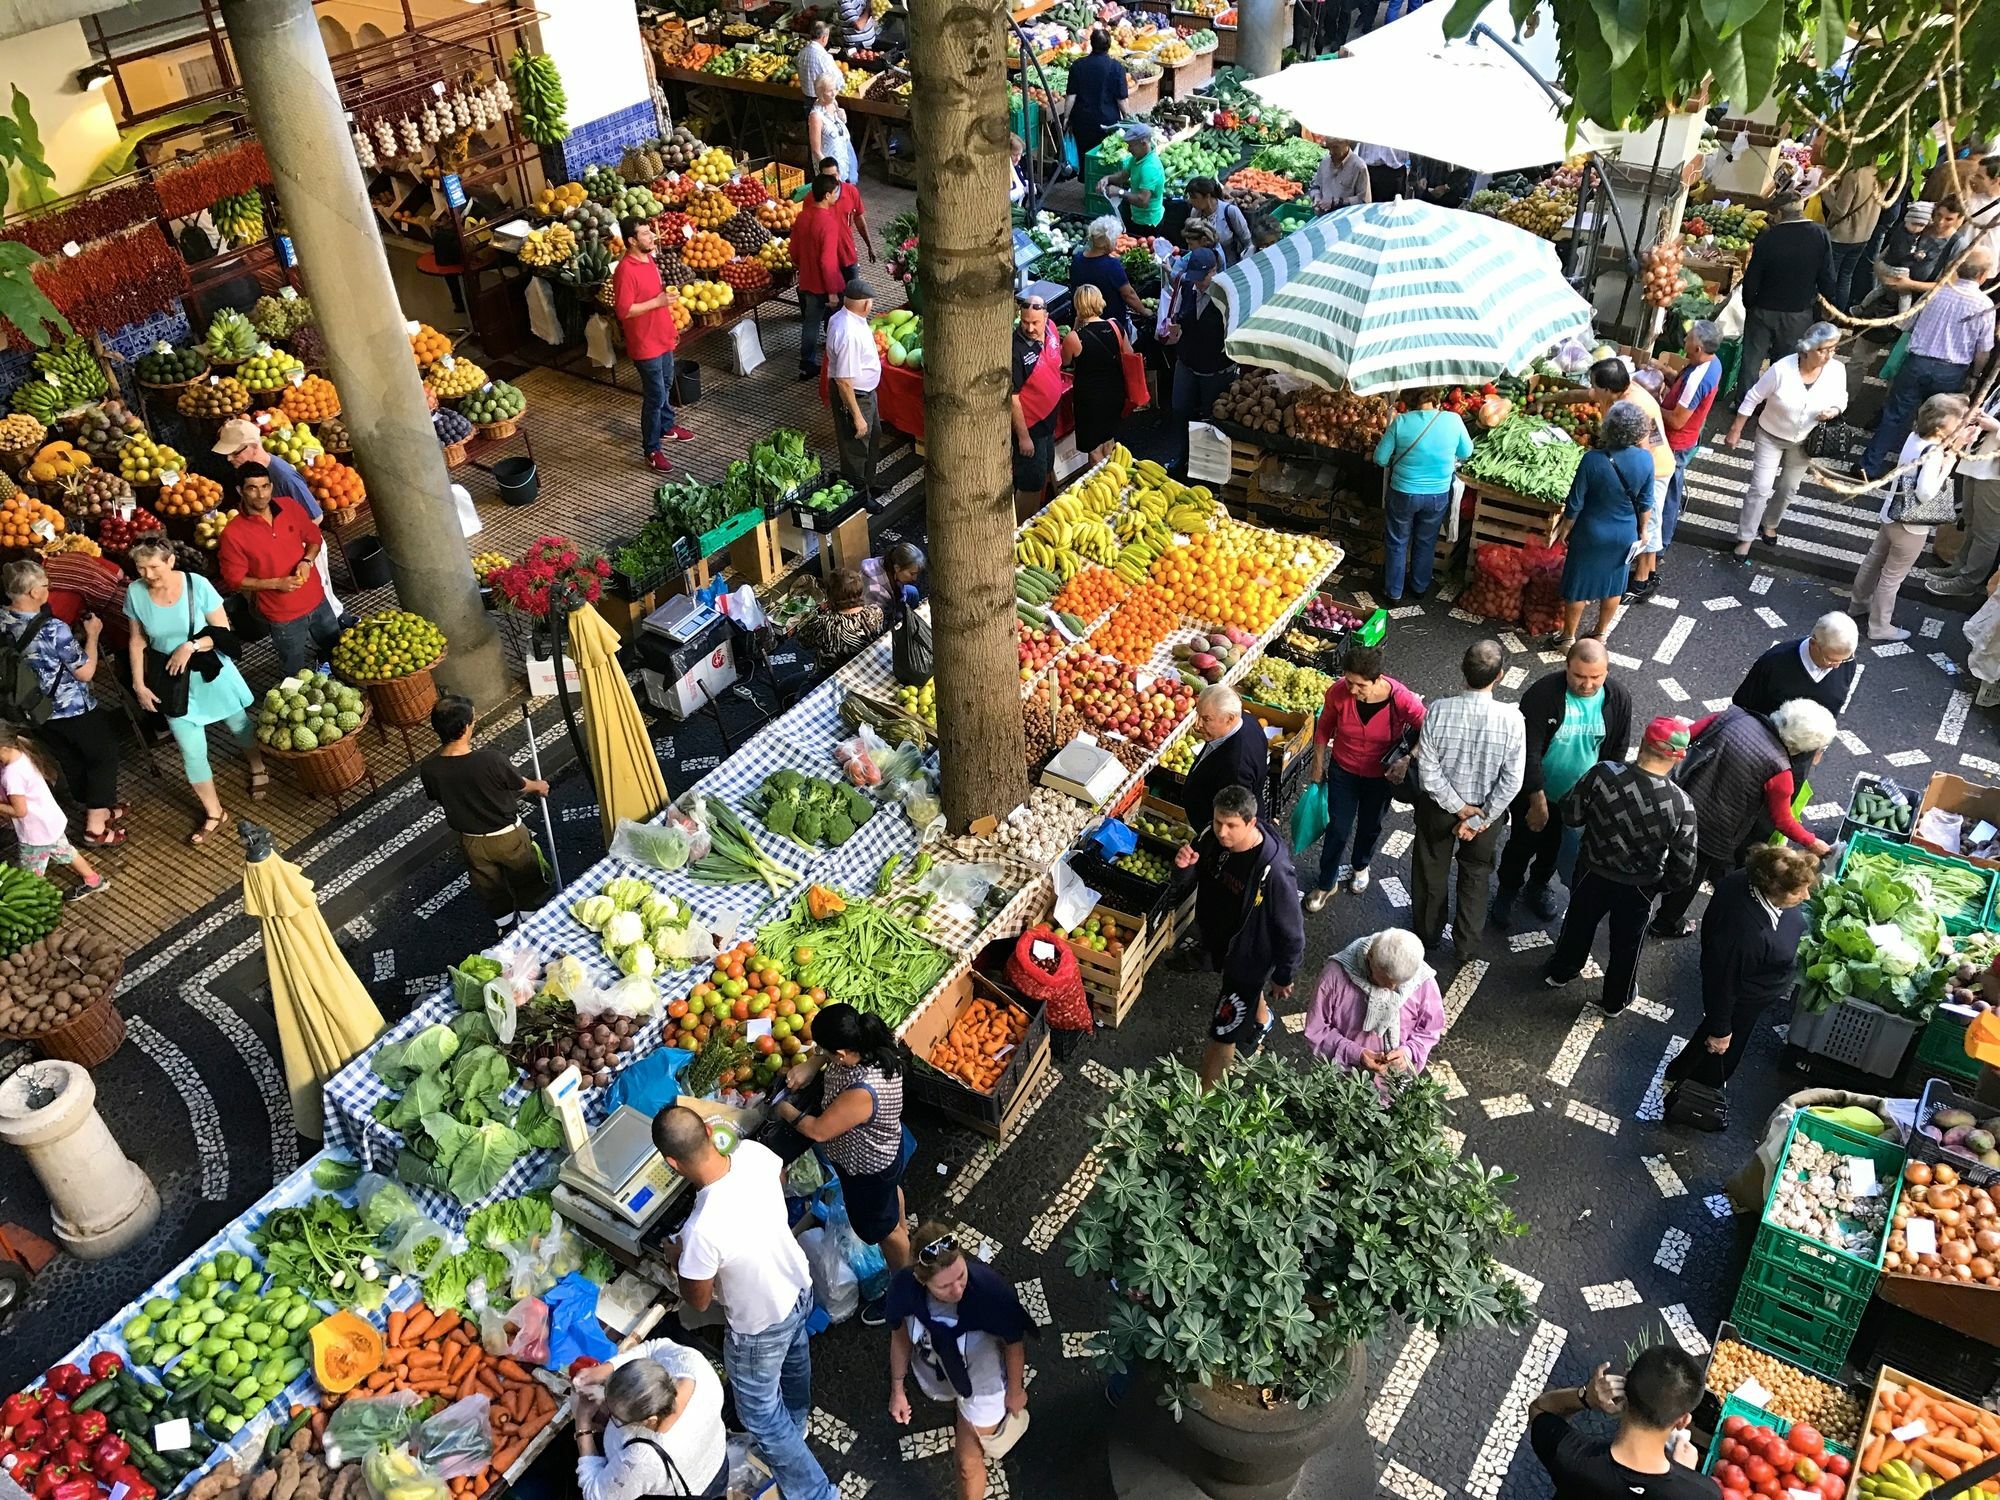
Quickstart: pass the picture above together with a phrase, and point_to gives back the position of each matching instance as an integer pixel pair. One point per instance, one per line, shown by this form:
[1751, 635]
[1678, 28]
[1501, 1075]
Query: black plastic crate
[1939, 1094]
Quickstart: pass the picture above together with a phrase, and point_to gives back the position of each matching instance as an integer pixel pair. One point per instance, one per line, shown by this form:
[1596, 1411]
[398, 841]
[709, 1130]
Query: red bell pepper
[32, 1434]
[126, 1475]
[25, 1467]
[20, 1406]
[55, 1404]
[107, 1453]
[77, 1487]
[52, 1475]
[76, 1453]
[105, 1363]
[139, 1489]
[67, 1380]
[60, 1425]
[89, 1425]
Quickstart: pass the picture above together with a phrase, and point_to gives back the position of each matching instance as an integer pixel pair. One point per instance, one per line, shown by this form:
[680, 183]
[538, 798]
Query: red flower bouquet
[554, 570]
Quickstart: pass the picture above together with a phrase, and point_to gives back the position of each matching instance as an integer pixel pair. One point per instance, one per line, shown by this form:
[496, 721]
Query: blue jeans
[1352, 802]
[1670, 510]
[1920, 378]
[771, 1374]
[304, 642]
[656, 413]
[814, 309]
[1850, 264]
[1411, 533]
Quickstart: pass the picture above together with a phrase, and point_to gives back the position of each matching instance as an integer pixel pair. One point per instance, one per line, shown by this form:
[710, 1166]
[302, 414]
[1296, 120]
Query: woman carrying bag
[1419, 453]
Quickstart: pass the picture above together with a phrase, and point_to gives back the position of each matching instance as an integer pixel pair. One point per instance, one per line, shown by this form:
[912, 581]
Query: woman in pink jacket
[1377, 1005]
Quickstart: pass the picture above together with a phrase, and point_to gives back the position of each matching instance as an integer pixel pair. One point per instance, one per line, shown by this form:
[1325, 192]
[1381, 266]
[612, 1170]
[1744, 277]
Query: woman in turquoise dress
[178, 614]
[1602, 522]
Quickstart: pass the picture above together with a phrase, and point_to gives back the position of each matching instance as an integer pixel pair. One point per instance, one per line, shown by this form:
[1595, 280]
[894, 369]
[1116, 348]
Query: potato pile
[54, 979]
[1254, 401]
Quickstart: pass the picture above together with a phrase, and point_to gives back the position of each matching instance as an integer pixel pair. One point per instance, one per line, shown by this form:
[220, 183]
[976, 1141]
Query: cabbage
[626, 892]
[594, 911]
[624, 929]
[637, 960]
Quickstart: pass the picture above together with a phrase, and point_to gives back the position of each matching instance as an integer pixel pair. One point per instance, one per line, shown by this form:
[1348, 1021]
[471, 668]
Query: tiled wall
[599, 143]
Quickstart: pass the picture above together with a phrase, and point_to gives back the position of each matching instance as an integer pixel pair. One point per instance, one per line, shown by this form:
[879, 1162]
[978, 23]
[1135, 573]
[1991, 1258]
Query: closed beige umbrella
[324, 1015]
[629, 783]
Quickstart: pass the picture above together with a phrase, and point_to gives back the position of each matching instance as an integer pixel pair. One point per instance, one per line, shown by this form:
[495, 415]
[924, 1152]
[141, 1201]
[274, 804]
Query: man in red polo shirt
[645, 307]
[267, 552]
[822, 247]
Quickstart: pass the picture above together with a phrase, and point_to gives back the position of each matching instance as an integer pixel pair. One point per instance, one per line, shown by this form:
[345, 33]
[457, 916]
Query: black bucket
[516, 480]
[368, 561]
[686, 384]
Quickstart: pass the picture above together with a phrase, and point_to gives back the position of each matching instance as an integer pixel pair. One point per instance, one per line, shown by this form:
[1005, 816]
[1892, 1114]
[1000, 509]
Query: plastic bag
[458, 1440]
[689, 813]
[1074, 899]
[749, 1477]
[961, 889]
[834, 1282]
[574, 1332]
[542, 1261]
[635, 996]
[1309, 817]
[871, 1270]
[397, 1474]
[649, 1085]
[660, 846]
[361, 1424]
[419, 1244]
[856, 757]
[805, 1176]
[568, 979]
[1111, 838]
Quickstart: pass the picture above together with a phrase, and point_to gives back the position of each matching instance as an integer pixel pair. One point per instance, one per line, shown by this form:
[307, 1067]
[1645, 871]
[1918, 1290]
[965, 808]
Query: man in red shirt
[822, 248]
[853, 220]
[645, 308]
[267, 552]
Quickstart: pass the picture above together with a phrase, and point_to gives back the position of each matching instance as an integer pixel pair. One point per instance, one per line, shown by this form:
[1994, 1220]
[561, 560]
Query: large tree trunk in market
[958, 107]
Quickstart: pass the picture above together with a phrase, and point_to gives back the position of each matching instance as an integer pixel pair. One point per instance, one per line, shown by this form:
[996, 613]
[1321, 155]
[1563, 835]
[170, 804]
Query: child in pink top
[39, 823]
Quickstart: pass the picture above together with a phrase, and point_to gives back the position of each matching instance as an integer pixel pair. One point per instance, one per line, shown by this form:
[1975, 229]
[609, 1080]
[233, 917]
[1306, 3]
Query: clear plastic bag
[635, 996]
[397, 1474]
[568, 979]
[834, 1281]
[458, 1440]
[660, 846]
[362, 1424]
[689, 813]
[805, 1176]
[961, 888]
[861, 758]
[418, 1244]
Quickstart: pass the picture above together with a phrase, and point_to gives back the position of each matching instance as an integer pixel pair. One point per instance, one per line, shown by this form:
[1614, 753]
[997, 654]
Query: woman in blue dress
[1603, 521]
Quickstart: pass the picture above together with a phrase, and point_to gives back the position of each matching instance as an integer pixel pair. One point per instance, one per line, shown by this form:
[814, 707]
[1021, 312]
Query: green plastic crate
[1819, 1263]
[1910, 854]
[1941, 1048]
[1807, 1293]
[1771, 1323]
[1749, 1411]
[741, 524]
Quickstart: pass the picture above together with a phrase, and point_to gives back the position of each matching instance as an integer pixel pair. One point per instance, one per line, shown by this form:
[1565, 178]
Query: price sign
[161, 346]
[288, 294]
[1915, 1429]
[171, 1437]
[449, 362]
[415, 327]
[51, 377]
[71, 247]
[438, 88]
[168, 477]
[263, 350]
[43, 531]
[297, 377]
[1920, 1234]
[1043, 952]
[454, 190]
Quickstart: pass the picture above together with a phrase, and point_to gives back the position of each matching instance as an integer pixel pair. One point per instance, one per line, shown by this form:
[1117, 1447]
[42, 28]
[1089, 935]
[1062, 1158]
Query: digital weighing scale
[616, 1183]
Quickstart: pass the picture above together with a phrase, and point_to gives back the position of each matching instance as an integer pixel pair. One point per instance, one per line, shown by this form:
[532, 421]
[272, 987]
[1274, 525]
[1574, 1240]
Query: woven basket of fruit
[331, 769]
[57, 992]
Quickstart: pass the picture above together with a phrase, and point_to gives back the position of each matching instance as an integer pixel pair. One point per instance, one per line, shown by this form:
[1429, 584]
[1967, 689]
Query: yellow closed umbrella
[629, 783]
[324, 1015]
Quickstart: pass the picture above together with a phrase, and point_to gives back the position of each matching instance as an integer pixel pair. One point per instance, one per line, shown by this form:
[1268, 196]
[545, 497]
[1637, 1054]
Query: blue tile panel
[131, 341]
[600, 142]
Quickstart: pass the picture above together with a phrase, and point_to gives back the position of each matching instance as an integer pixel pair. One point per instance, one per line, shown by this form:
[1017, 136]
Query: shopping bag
[1309, 817]
[574, 1332]
[1896, 357]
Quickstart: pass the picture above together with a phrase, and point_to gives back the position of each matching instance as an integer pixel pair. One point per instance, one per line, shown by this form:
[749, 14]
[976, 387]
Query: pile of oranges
[1090, 593]
[1137, 626]
[429, 345]
[334, 484]
[312, 400]
[190, 495]
[777, 214]
[708, 252]
[1231, 577]
[18, 516]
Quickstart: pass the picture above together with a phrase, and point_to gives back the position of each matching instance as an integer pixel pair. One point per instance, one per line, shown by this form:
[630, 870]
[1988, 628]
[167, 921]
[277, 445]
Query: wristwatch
[1583, 1398]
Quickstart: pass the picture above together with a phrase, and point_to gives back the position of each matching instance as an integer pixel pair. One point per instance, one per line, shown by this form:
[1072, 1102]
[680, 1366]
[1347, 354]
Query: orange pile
[429, 345]
[1090, 593]
[683, 319]
[190, 495]
[980, 1041]
[18, 515]
[776, 214]
[312, 400]
[334, 484]
[1137, 626]
[1222, 578]
[708, 252]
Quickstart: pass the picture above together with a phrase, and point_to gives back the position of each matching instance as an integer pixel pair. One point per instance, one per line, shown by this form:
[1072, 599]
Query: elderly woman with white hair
[1790, 399]
[1604, 519]
[1377, 1005]
[1098, 264]
[650, 1423]
[1739, 774]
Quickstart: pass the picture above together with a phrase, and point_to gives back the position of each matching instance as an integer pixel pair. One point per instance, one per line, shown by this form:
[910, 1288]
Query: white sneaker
[1358, 882]
[1893, 633]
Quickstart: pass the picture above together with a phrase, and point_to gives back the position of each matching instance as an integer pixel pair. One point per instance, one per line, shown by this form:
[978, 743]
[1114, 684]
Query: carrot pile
[979, 1043]
[1958, 1433]
[1270, 184]
[439, 1354]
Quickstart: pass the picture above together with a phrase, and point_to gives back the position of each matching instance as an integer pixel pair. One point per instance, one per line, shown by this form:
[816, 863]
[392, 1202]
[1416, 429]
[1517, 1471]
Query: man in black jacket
[1820, 667]
[1576, 717]
[1791, 267]
[1246, 907]
[1235, 753]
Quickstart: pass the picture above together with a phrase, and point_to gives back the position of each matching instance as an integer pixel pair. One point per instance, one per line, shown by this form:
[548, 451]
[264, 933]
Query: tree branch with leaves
[21, 301]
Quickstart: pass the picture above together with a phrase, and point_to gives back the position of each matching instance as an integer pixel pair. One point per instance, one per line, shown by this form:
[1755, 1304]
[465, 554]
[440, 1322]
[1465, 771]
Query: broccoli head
[781, 816]
[809, 824]
[784, 779]
[839, 828]
[859, 808]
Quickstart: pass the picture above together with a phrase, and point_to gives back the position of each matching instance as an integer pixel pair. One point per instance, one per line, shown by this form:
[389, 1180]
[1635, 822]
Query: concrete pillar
[1260, 36]
[296, 109]
[101, 1202]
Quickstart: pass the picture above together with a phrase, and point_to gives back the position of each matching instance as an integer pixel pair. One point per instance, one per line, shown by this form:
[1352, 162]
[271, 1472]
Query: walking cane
[548, 824]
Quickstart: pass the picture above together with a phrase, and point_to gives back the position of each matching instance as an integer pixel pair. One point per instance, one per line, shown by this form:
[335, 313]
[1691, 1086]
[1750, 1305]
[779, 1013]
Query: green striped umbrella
[1386, 295]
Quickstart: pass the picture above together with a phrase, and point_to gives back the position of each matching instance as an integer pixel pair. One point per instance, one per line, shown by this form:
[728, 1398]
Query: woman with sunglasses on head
[957, 1325]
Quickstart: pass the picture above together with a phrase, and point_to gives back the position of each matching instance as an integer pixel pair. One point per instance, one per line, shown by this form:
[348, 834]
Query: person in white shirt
[854, 370]
[650, 1423]
[737, 1244]
[1793, 396]
[1342, 178]
[814, 59]
[1917, 500]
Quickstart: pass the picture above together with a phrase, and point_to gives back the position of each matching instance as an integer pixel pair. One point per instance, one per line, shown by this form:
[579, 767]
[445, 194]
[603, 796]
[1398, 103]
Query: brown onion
[1988, 1241]
[1957, 1252]
[1982, 1268]
[1945, 1197]
[1918, 1172]
[1944, 1173]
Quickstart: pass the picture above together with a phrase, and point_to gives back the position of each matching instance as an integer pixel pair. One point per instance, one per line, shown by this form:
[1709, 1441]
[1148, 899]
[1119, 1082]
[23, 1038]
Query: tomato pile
[1754, 1460]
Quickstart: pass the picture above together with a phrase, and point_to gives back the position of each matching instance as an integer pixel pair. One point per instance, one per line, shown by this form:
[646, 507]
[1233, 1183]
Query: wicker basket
[331, 769]
[89, 1038]
[175, 387]
[504, 429]
[407, 700]
[454, 454]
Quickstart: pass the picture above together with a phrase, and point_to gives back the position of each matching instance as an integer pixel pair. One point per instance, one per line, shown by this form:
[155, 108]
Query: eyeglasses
[1034, 307]
[937, 1250]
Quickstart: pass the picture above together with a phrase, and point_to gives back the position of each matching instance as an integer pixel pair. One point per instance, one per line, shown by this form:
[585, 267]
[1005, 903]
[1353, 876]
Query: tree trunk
[958, 106]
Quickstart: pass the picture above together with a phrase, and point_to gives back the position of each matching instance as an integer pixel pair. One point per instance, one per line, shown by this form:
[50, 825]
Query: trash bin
[516, 480]
[686, 383]
[368, 561]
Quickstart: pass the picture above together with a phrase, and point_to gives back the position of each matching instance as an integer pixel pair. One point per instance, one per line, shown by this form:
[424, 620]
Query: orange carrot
[512, 1369]
[445, 1323]
[417, 1324]
[379, 1379]
[1871, 1455]
[396, 1322]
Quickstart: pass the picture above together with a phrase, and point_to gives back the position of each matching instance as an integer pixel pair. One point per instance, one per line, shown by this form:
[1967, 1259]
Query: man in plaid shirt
[1470, 761]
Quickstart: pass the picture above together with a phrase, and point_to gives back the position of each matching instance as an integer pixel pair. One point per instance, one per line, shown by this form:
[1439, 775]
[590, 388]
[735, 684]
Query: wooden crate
[1187, 78]
[755, 557]
[1113, 984]
[1512, 520]
[993, 1114]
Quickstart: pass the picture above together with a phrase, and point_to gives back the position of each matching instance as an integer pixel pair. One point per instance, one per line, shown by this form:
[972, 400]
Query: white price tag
[71, 247]
[449, 361]
[438, 88]
[215, 380]
[1920, 1234]
[263, 350]
[1909, 1430]
[1752, 1390]
[123, 510]
[297, 377]
[171, 1437]
[757, 1026]
[169, 477]
[119, 1491]
[415, 327]
[43, 531]
[51, 377]
[486, 387]
[288, 294]
[1043, 952]
[1793, 1492]
[161, 346]
[1861, 1174]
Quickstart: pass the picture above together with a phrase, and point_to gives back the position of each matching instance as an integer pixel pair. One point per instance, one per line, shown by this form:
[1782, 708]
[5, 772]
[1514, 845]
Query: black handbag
[1402, 751]
[170, 689]
[1697, 1105]
[1832, 441]
[910, 657]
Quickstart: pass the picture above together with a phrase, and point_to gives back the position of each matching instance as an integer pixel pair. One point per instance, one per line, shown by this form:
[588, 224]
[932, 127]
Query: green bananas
[539, 98]
[29, 906]
[240, 218]
[230, 336]
[67, 375]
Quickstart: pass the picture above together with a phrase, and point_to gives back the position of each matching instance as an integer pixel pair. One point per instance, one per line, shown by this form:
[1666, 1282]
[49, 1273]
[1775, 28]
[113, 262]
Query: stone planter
[101, 1202]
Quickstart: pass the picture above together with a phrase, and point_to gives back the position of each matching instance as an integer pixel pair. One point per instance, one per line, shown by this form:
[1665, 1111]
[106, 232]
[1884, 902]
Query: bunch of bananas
[29, 906]
[550, 246]
[539, 99]
[1065, 537]
[239, 217]
[66, 374]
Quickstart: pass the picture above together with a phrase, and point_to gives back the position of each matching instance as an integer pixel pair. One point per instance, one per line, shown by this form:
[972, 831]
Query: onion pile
[1966, 1221]
[1661, 265]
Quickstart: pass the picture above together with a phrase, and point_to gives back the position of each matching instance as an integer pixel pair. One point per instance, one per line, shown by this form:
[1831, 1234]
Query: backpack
[23, 699]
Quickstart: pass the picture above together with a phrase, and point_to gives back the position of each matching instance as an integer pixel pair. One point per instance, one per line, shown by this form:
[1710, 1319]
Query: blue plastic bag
[574, 1332]
[1112, 838]
[864, 1259]
[650, 1084]
[1309, 817]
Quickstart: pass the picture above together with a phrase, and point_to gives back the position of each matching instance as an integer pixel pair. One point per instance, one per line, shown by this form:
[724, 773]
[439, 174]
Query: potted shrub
[1258, 1235]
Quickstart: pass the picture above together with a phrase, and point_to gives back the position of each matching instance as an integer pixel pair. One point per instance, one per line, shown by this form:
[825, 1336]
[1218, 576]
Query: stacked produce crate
[1819, 1247]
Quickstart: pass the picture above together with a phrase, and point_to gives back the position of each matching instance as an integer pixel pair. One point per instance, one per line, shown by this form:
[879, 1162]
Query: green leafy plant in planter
[1258, 1231]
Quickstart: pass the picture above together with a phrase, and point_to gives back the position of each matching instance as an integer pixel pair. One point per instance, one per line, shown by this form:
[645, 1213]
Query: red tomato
[1730, 1476]
[1784, 1460]
[1733, 1426]
[1759, 1470]
[1805, 1439]
[1731, 1449]
[1805, 1469]
[1832, 1486]
[1833, 1463]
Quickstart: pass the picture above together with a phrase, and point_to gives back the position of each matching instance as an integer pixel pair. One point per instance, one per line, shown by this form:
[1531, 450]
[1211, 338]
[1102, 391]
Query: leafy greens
[1878, 938]
[460, 1134]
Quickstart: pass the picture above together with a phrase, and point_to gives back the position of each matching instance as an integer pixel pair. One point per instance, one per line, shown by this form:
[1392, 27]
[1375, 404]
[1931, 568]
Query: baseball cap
[1669, 735]
[857, 290]
[1135, 130]
[1199, 263]
[237, 432]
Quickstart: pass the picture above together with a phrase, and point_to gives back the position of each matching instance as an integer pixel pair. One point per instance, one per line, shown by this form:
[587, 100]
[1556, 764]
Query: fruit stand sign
[286, 256]
[454, 190]
[72, 248]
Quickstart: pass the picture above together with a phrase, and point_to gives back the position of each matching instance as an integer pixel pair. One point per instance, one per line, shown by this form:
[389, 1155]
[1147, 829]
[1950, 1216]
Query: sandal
[1316, 902]
[111, 838]
[208, 826]
[119, 811]
[260, 785]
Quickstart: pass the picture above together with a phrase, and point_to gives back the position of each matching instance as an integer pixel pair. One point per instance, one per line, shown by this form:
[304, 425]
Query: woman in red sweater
[1365, 713]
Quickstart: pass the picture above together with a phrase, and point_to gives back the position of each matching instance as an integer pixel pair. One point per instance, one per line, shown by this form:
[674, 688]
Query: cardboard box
[1972, 800]
[542, 677]
[992, 1114]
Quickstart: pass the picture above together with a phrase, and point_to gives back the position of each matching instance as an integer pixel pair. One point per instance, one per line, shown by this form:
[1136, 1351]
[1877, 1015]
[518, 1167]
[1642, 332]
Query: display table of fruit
[391, 656]
[313, 723]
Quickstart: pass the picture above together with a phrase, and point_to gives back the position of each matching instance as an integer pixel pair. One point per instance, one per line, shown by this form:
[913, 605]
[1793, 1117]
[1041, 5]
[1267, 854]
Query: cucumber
[94, 1395]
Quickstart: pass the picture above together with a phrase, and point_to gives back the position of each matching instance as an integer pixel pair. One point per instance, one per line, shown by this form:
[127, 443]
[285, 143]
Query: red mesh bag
[1498, 576]
[1542, 598]
[1060, 989]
